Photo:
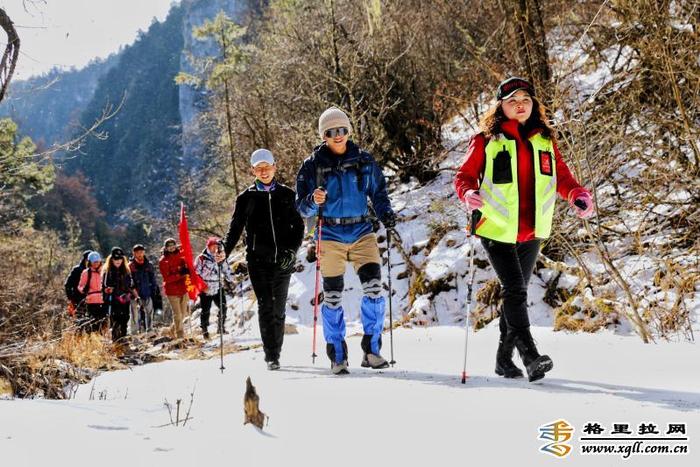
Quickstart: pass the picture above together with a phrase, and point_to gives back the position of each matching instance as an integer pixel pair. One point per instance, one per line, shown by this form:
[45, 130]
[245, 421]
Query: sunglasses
[333, 132]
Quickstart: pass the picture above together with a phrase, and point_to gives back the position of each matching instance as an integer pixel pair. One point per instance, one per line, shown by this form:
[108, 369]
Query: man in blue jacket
[336, 183]
[144, 277]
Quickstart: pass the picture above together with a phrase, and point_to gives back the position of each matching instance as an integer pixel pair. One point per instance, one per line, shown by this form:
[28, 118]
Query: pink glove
[473, 199]
[582, 204]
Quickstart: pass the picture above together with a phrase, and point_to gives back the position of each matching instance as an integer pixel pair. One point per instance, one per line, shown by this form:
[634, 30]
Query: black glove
[389, 220]
[184, 271]
[287, 260]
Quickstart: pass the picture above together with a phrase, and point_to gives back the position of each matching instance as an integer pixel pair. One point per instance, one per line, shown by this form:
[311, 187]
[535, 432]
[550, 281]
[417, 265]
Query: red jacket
[469, 176]
[171, 266]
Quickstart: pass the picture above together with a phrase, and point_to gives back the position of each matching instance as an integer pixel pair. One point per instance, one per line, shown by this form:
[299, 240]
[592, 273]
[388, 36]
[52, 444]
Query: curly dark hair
[490, 123]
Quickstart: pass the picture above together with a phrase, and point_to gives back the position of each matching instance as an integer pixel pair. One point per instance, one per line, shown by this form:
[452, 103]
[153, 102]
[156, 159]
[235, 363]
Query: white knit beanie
[333, 118]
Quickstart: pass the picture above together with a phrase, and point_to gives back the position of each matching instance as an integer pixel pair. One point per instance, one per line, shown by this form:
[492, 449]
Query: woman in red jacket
[509, 180]
[174, 270]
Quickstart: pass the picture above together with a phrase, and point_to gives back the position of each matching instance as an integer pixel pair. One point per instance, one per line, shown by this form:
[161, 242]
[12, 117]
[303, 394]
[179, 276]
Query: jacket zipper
[272, 223]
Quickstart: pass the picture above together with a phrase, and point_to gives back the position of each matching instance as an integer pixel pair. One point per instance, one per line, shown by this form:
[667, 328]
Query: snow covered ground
[417, 413]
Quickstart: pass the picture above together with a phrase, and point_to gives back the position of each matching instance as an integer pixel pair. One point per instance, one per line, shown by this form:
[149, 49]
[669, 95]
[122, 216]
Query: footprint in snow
[108, 428]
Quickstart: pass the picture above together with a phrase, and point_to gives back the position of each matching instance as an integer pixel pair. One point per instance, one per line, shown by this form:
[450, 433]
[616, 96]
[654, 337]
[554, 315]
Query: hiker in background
[73, 294]
[90, 286]
[207, 267]
[174, 270]
[119, 289]
[143, 274]
[509, 180]
[274, 230]
[338, 179]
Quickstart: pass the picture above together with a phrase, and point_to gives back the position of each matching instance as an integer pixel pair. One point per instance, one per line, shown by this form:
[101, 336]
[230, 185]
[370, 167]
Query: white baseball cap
[261, 155]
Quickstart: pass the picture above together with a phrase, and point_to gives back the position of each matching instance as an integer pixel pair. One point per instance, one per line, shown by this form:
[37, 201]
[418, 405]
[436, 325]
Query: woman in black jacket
[274, 230]
[119, 290]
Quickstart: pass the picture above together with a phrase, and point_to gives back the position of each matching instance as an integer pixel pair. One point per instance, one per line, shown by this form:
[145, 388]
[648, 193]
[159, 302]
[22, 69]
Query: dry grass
[584, 315]
[32, 315]
[49, 368]
[92, 351]
[670, 315]
[489, 300]
[5, 388]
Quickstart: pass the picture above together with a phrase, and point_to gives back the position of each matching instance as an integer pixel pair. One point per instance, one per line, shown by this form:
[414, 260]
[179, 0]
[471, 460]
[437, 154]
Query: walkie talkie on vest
[502, 172]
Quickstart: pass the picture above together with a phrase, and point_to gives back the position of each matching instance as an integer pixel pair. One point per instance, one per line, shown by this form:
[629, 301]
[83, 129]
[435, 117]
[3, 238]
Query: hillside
[48, 108]
[138, 164]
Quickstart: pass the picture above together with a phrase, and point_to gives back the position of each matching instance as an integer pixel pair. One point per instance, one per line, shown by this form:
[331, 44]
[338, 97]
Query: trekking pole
[221, 323]
[391, 291]
[240, 294]
[189, 317]
[109, 313]
[319, 229]
[470, 283]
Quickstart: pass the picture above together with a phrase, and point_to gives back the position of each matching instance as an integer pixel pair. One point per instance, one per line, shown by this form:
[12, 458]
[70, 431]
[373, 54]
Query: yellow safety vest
[499, 189]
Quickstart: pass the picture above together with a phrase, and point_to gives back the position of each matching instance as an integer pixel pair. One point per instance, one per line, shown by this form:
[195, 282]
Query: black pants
[513, 264]
[94, 318]
[121, 313]
[206, 301]
[270, 285]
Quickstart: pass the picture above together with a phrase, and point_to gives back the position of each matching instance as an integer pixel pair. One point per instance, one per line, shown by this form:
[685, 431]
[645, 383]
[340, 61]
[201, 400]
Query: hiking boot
[273, 365]
[536, 365]
[504, 357]
[340, 368]
[330, 351]
[374, 361]
[205, 335]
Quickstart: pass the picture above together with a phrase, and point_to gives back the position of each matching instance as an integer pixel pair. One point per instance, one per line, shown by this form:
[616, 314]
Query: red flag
[195, 284]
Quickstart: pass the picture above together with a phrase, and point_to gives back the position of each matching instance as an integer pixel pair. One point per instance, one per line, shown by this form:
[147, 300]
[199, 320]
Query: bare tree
[9, 57]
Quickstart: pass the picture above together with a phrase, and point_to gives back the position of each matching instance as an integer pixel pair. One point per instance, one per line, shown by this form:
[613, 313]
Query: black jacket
[120, 280]
[258, 211]
[71, 284]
